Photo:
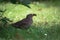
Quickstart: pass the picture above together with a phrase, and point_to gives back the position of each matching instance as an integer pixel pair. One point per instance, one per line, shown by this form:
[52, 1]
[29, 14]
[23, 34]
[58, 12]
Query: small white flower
[45, 34]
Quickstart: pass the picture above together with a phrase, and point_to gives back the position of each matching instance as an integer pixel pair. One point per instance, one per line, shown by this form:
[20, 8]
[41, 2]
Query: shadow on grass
[39, 32]
[27, 2]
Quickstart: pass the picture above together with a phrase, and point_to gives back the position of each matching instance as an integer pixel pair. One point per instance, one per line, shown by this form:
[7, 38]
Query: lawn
[46, 25]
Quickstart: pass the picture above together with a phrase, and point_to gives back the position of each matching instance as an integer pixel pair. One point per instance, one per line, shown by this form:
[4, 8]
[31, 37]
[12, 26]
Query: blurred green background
[46, 25]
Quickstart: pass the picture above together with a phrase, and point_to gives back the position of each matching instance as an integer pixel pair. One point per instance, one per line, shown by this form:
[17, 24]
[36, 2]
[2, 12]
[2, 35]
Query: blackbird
[24, 23]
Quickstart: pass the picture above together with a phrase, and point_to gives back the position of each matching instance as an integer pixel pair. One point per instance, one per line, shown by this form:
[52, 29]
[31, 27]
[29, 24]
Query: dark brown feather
[24, 23]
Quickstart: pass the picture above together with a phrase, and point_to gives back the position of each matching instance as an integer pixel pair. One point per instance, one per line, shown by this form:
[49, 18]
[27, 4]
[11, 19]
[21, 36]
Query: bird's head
[30, 15]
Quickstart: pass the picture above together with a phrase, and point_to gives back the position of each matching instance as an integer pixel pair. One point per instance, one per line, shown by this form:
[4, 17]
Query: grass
[46, 24]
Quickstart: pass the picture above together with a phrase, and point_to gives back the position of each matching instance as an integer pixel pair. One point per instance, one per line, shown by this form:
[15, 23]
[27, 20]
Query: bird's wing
[22, 22]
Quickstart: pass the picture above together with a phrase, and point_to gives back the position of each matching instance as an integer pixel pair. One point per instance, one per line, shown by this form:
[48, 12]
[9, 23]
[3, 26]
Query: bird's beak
[34, 15]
